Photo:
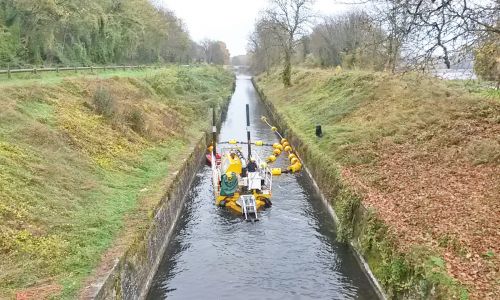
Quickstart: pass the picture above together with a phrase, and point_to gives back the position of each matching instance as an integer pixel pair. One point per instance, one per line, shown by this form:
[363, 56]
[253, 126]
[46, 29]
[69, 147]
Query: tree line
[390, 35]
[74, 32]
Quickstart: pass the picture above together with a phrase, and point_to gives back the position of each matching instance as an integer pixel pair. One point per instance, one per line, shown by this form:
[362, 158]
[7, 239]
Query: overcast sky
[230, 21]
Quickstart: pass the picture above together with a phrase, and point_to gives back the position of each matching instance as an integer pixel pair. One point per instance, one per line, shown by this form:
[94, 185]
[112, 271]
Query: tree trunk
[287, 69]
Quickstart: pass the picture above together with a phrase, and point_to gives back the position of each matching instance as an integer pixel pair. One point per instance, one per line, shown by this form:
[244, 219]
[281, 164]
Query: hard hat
[229, 175]
[252, 158]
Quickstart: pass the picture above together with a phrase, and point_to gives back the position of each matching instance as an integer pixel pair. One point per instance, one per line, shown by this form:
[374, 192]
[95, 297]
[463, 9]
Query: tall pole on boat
[248, 132]
[214, 133]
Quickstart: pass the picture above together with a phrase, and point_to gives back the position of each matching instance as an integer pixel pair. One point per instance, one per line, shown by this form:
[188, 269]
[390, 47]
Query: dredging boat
[244, 184]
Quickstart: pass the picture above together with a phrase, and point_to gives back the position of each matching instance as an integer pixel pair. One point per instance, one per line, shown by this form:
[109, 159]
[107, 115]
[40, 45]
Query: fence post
[34, 71]
[8, 71]
[57, 69]
[104, 68]
[76, 69]
[91, 69]
[123, 68]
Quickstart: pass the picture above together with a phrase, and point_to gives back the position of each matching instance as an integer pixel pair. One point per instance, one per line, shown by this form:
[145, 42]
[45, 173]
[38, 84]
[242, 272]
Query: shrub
[104, 103]
[346, 204]
[487, 61]
[484, 151]
[137, 121]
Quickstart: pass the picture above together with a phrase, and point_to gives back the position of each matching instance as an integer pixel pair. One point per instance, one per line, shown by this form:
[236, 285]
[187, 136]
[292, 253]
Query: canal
[291, 253]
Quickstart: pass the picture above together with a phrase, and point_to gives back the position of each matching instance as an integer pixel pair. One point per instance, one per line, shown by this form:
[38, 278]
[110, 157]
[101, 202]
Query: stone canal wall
[131, 276]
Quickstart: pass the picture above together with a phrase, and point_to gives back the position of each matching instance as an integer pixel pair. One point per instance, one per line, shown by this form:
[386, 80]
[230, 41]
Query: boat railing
[265, 172]
[215, 174]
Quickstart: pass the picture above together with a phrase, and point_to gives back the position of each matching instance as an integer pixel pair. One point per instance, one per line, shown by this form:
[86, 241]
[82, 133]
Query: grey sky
[230, 21]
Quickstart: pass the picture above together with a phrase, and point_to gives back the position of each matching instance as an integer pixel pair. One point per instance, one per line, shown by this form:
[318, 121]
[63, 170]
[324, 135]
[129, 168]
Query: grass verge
[82, 157]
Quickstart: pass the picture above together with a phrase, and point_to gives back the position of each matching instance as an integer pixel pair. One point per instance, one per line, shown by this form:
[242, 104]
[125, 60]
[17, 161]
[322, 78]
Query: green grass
[478, 87]
[70, 178]
[357, 109]
[101, 216]
[51, 78]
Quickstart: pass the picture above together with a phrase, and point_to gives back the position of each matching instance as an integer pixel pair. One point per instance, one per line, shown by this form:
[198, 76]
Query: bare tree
[287, 20]
[350, 40]
[453, 29]
[394, 18]
[215, 52]
[263, 47]
[206, 46]
[423, 31]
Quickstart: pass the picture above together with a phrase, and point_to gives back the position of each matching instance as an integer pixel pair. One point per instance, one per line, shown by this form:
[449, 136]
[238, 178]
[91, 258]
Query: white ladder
[249, 206]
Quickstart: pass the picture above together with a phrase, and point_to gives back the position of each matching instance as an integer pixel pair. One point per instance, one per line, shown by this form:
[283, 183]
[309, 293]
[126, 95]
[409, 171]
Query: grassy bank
[51, 78]
[422, 155]
[83, 161]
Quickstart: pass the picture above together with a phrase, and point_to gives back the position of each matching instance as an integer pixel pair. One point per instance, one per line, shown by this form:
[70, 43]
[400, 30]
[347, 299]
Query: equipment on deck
[241, 184]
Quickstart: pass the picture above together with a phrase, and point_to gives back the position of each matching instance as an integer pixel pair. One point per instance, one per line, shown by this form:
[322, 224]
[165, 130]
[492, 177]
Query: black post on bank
[319, 132]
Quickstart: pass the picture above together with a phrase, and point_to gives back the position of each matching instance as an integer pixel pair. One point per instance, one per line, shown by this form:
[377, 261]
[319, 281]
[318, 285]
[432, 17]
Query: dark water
[291, 253]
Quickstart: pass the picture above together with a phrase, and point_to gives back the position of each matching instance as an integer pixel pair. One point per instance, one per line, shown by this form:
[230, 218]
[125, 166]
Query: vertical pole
[214, 132]
[319, 132]
[8, 71]
[76, 69]
[91, 69]
[248, 132]
[57, 69]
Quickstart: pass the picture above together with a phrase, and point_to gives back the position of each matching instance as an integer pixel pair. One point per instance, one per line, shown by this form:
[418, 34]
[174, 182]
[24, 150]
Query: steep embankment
[423, 156]
[83, 161]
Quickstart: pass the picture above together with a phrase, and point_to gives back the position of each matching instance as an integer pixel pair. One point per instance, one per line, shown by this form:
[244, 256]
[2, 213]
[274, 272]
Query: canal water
[290, 253]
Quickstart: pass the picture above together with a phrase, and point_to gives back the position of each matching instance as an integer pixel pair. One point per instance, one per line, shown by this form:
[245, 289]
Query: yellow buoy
[259, 143]
[275, 145]
[285, 144]
[288, 148]
[295, 167]
[276, 171]
[263, 165]
[233, 142]
[210, 148]
[291, 155]
[294, 160]
[274, 128]
[277, 152]
[271, 158]
[283, 140]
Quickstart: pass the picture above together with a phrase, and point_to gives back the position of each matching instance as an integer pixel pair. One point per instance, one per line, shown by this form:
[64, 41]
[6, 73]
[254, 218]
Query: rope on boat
[278, 148]
[283, 146]
[256, 143]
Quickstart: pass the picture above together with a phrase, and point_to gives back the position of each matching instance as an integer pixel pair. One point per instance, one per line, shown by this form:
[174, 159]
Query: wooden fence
[10, 71]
